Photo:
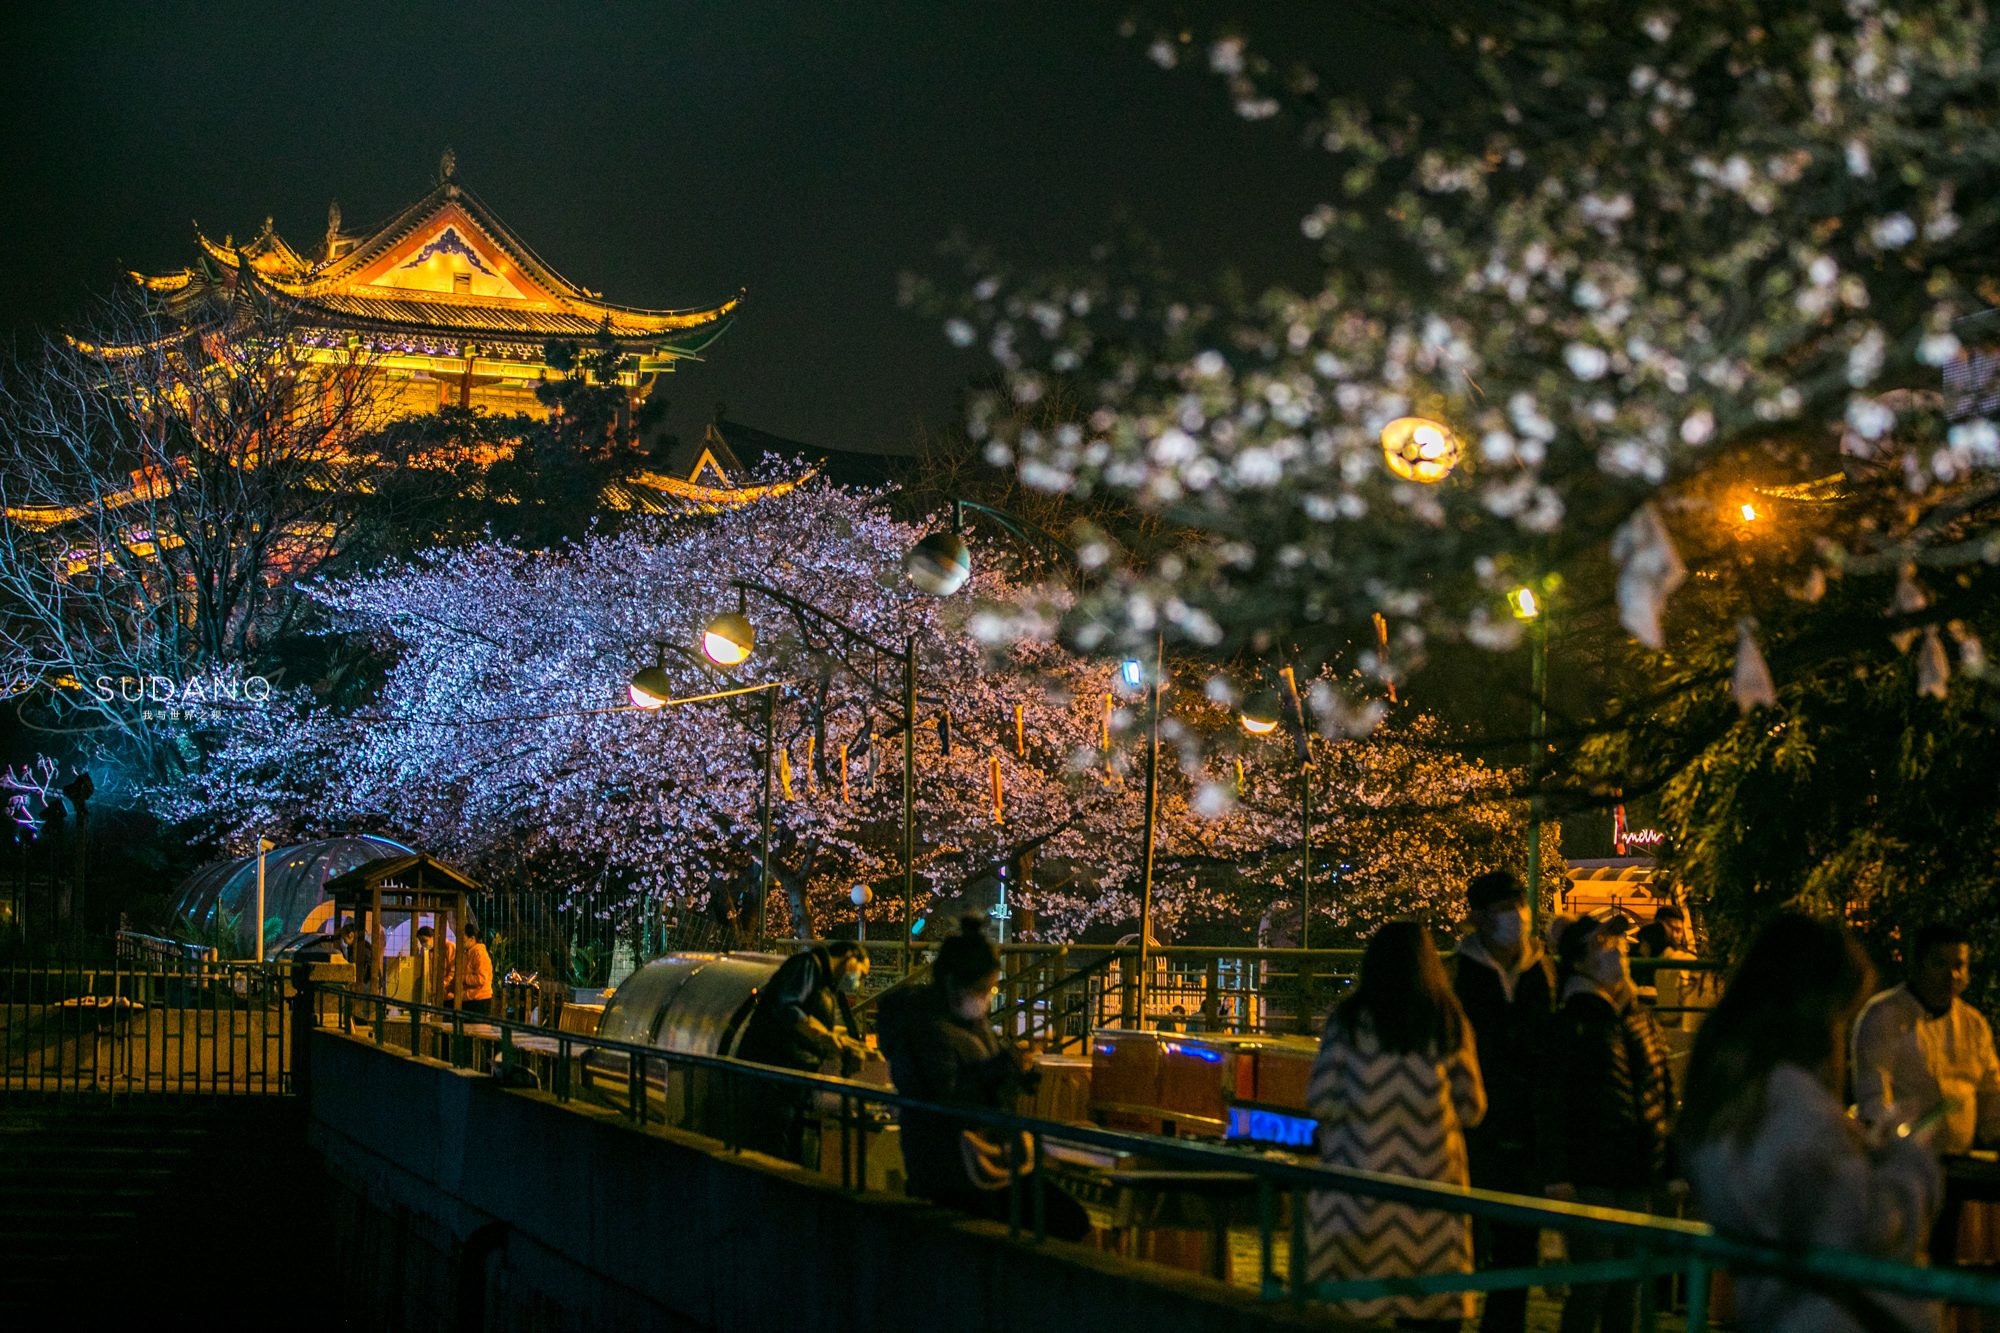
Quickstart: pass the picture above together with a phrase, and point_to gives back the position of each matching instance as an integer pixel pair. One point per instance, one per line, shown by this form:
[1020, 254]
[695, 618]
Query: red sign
[1623, 838]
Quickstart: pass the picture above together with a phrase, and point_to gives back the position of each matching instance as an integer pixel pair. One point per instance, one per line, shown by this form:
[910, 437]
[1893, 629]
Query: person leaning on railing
[801, 1022]
[1773, 1156]
[942, 1047]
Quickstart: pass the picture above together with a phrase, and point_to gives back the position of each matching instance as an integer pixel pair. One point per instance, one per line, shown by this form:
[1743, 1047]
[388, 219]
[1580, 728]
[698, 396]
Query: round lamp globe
[939, 564]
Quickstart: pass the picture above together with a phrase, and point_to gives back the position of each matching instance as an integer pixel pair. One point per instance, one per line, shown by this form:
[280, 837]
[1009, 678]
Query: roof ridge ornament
[446, 165]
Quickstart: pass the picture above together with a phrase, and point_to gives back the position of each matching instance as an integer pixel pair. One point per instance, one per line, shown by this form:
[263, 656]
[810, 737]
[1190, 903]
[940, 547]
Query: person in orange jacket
[436, 970]
[474, 973]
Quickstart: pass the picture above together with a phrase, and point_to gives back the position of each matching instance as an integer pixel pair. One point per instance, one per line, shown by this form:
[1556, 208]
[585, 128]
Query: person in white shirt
[1919, 1045]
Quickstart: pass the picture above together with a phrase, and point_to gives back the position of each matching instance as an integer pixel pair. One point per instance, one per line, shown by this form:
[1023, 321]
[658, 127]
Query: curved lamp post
[1261, 715]
[729, 639]
[1529, 605]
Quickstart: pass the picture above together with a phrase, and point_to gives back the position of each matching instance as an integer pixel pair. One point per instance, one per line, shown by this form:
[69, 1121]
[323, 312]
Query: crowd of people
[1546, 1071]
[1795, 1106]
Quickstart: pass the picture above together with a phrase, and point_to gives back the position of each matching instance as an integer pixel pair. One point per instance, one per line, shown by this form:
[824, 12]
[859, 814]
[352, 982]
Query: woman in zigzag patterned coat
[1395, 1087]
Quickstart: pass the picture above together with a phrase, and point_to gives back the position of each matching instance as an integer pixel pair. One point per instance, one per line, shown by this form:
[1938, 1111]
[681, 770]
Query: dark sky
[664, 154]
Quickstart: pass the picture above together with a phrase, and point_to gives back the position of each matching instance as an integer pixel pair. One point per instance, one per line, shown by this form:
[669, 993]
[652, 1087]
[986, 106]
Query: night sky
[664, 154]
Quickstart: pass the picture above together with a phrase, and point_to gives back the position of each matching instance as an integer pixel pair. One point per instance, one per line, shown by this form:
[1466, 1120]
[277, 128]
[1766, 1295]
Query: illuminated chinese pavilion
[442, 299]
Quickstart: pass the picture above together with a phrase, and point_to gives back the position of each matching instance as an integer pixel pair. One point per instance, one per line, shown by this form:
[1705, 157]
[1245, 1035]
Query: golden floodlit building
[444, 306]
[443, 300]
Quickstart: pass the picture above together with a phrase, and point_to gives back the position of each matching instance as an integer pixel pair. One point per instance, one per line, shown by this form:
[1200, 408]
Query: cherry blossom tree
[1626, 254]
[504, 732]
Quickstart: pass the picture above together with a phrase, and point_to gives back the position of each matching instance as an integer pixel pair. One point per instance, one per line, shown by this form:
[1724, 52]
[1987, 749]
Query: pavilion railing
[708, 1094]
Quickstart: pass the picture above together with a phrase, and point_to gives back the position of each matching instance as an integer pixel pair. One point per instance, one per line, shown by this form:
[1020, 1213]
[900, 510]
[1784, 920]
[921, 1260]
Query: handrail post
[1013, 1185]
[1305, 995]
[1298, 1248]
[1041, 1193]
[1212, 983]
[1649, 1313]
[1697, 1295]
[1267, 1221]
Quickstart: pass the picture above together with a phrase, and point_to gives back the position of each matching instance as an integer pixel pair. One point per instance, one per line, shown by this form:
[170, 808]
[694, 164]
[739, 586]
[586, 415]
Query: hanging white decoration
[1751, 684]
[1649, 569]
[1932, 668]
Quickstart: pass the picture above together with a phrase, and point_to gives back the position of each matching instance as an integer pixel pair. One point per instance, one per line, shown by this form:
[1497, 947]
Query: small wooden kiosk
[411, 887]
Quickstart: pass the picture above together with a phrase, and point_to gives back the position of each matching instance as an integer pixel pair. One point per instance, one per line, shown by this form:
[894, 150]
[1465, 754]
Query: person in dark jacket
[942, 1048]
[1605, 1123]
[1507, 986]
[801, 1022]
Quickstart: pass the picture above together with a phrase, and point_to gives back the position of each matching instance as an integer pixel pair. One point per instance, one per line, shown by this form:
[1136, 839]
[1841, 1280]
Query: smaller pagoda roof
[414, 872]
[843, 467]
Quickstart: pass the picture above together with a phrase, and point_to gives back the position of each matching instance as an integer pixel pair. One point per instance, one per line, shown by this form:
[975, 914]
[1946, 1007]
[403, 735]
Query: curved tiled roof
[345, 286]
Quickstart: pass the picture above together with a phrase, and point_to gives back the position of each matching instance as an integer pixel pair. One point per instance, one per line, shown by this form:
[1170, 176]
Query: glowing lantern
[1419, 449]
[1526, 605]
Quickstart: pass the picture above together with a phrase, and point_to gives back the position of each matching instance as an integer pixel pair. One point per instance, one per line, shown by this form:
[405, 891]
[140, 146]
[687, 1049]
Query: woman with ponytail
[942, 1048]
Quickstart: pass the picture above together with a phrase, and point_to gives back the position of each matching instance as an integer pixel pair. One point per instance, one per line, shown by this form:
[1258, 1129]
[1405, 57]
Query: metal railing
[1060, 993]
[706, 1094]
[145, 1027]
[131, 945]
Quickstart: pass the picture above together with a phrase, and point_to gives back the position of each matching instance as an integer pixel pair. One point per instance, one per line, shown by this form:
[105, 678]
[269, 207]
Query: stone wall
[461, 1204]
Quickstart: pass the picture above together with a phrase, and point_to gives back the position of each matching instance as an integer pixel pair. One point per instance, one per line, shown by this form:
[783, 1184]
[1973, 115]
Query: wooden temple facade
[443, 305]
[443, 300]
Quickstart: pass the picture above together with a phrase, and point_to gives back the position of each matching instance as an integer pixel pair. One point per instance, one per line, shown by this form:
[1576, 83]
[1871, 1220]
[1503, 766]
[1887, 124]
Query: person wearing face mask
[942, 1048]
[1606, 1117]
[1505, 983]
[802, 1021]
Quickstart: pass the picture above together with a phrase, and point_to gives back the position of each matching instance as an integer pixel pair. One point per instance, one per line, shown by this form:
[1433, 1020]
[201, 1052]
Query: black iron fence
[149, 1025]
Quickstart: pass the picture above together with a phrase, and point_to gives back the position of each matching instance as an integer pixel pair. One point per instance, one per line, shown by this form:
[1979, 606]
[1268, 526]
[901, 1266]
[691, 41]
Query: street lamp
[1262, 713]
[728, 639]
[1419, 449]
[941, 563]
[650, 688]
[861, 895]
[1529, 607]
